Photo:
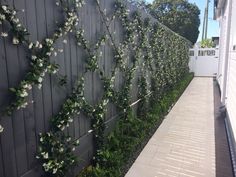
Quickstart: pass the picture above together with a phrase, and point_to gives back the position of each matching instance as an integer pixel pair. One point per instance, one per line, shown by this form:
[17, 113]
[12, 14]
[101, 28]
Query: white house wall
[224, 20]
[231, 80]
[227, 66]
[222, 51]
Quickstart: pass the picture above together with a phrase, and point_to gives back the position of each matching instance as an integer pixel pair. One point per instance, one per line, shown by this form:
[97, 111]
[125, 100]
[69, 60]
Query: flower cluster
[98, 124]
[130, 26]
[72, 106]
[40, 63]
[91, 50]
[19, 32]
[72, 5]
[79, 3]
[56, 153]
[56, 149]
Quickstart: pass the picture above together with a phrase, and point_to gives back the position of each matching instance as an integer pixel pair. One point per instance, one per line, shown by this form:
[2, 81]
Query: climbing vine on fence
[148, 50]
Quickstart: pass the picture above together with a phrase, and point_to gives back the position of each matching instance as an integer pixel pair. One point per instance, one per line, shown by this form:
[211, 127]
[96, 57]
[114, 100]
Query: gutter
[231, 142]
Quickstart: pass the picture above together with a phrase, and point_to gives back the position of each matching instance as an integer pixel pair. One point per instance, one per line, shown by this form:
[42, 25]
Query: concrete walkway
[191, 141]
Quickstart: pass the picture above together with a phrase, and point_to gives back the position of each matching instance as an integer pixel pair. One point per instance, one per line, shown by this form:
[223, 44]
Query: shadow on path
[222, 154]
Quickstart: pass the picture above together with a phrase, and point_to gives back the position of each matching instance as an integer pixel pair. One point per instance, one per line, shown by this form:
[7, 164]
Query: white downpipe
[225, 74]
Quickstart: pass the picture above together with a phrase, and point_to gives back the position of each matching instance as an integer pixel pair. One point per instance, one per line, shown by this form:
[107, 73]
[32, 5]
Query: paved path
[185, 143]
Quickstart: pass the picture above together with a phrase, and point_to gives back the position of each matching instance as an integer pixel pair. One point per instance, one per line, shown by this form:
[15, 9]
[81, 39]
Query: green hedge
[130, 135]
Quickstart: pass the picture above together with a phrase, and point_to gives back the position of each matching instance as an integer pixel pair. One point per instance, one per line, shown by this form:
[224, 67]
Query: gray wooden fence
[19, 141]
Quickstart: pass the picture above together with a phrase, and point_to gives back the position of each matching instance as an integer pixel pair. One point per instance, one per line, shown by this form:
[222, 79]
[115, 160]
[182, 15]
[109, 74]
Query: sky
[213, 26]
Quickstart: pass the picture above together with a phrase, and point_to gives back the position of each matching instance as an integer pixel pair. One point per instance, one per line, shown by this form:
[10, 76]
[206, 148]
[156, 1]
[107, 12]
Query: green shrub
[127, 137]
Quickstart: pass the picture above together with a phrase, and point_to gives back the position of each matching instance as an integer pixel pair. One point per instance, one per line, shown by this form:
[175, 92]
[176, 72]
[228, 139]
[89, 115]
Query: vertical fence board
[39, 111]
[29, 112]
[7, 146]
[46, 87]
[1, 161]
[8, 136]
[8, 150]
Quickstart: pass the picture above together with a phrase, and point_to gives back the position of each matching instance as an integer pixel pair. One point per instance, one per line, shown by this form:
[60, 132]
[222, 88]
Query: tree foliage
[179, 15]
[207, 43]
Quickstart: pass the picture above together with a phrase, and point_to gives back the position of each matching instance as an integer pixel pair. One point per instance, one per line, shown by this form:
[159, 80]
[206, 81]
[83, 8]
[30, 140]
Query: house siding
[227, 66]
[231, 80]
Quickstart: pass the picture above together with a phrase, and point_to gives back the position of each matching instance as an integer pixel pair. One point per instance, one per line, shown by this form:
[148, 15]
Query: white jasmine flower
[54, 71]
[2, 17]
[3, 34]
[34, 57]
[1, 128]
[15, 41]
[27, 86]
[62, 128]
[31, 45]
[37, 44]
[45, 156]
[65, 41]
[39, 86]
[24, 94]
[61, 150]
[60, 50]
[40, 79]
[24, 105]
[16, 20]
[54, 171]
[49, 54]
[45, 166]
[18, 25]
[49, 41]
[4, 8]
[40, 64]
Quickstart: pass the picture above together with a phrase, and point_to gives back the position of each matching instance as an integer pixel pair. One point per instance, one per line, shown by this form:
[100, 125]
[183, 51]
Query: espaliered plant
[55, 148]
[146, 51]
[111, 156]
[41, 52]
